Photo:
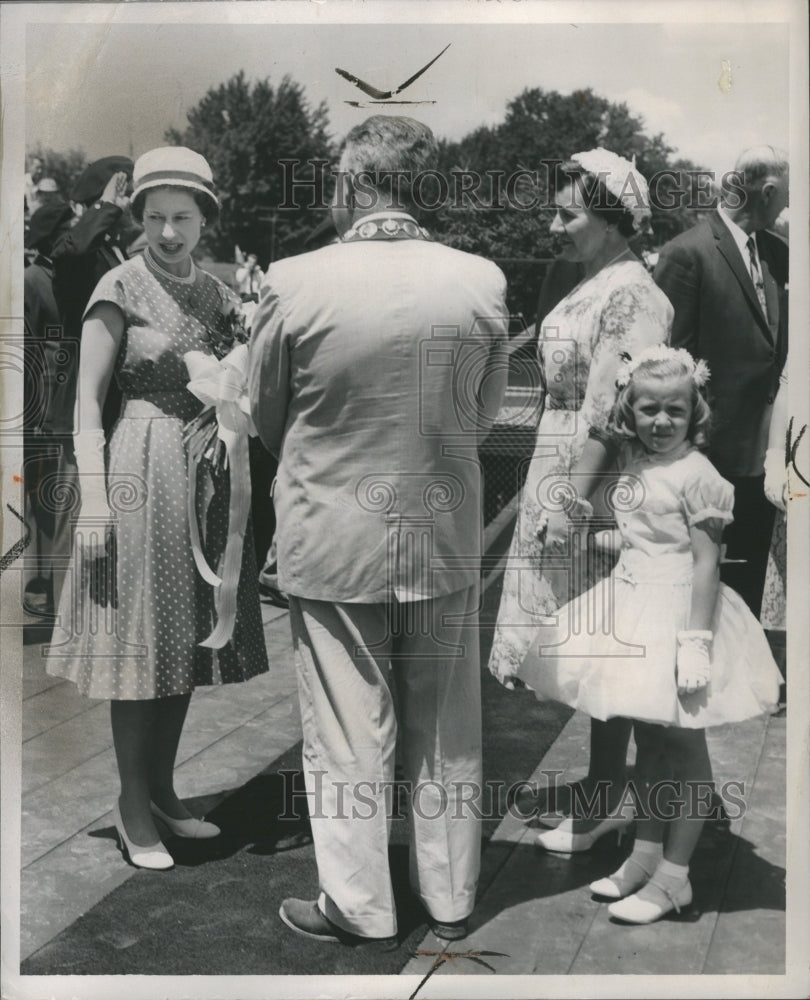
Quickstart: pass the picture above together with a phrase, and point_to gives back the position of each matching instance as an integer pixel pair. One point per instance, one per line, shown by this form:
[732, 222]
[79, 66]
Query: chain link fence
[506, 453]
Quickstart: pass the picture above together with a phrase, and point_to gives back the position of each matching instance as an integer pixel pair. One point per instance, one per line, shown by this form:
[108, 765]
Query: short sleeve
[707, 496]
[109, 289]
[637, 315]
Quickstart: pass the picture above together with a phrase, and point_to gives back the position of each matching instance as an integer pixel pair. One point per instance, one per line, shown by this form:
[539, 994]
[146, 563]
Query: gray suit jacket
[376, 369]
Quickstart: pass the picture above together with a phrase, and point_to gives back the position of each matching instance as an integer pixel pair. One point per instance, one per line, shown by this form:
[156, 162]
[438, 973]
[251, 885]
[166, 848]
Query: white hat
[621, 179]
[173, 166]
[47, 184]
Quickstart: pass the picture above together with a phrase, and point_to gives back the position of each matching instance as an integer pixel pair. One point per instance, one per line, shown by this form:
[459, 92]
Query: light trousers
[367, 672]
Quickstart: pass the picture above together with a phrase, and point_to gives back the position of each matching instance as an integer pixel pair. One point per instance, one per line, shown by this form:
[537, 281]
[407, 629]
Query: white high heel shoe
[193, 828]
[563, 840]
[155, 856]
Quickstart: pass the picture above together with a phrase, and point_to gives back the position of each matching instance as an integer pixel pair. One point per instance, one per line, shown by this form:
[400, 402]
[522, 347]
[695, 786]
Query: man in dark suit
[49, 394]
[727, 311]
[93, 246]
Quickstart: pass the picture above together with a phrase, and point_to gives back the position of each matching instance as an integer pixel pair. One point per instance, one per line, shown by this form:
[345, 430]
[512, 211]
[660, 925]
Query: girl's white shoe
[193, 828]
[631, 876]
[659, 900]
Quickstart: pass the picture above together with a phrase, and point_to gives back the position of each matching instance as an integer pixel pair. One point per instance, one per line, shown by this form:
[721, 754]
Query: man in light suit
[727, 311]
[376, 369]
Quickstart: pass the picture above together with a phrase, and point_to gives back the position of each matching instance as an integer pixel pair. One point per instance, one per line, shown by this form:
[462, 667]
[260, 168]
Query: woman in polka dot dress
[135, 634]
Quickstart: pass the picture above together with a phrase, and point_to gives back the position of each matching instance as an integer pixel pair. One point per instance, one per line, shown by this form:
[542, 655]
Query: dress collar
[652, 458]
[154, 266]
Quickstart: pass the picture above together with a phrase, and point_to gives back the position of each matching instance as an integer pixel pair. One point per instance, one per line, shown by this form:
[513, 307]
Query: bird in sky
[384, 96]
[368, 104]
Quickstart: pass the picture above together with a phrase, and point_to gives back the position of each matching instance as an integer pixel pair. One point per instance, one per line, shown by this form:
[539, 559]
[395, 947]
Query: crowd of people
[370, 371]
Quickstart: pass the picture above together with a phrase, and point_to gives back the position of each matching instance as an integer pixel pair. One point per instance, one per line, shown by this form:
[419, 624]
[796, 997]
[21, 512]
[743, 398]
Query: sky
[110, 87]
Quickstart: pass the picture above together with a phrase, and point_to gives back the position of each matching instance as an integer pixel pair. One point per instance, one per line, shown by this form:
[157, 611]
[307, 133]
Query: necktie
[756, 274]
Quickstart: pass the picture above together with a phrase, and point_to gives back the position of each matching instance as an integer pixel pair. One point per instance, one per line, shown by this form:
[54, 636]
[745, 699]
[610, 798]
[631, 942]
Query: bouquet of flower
[201, 434]
[219, 437]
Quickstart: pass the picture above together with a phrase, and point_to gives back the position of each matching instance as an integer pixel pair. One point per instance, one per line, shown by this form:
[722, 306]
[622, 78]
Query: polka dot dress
[145, 644]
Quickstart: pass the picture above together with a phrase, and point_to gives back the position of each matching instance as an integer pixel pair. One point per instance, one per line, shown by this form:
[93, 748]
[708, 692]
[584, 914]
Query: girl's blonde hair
[663, 363]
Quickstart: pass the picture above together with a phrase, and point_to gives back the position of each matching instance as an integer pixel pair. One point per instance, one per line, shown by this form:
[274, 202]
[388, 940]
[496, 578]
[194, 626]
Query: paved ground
[538, 910]
[535, 908]
[69, 778]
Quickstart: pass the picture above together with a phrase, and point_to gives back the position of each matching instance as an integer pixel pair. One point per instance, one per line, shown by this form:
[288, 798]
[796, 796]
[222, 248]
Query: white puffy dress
[611, 651]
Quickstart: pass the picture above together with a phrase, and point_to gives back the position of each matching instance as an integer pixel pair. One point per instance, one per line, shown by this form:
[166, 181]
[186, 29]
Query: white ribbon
[223, 385]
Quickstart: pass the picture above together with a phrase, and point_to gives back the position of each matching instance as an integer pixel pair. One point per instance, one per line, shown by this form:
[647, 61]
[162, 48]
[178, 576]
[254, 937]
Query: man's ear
[345, 190]
[349, 190]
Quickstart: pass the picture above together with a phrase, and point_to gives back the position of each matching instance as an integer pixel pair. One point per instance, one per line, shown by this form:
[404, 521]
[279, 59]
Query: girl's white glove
[775, 477]
[95, 518]
[693, 662]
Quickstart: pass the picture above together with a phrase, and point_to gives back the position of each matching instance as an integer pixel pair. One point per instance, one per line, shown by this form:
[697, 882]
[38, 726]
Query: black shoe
[38, 608]
[304, 917]
[38, 599]
[449, 930]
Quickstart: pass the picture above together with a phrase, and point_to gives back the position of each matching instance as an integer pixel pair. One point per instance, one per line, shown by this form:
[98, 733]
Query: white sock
[670, 873]
[668, 877]
[647, 854]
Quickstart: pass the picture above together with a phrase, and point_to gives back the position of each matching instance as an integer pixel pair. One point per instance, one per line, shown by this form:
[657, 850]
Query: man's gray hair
[382, 143]
[760, 163]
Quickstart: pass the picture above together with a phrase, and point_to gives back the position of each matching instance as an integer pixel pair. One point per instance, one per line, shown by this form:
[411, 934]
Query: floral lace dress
[144, 642]
[619, 310]
[774, 596]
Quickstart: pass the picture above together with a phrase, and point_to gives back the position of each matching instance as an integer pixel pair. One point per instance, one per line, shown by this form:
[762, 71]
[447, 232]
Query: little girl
[661, 641]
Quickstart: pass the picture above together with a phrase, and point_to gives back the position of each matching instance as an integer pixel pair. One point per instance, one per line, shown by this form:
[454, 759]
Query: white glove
[95, 518]
[116, 190]
[693, 661]
[775, 477]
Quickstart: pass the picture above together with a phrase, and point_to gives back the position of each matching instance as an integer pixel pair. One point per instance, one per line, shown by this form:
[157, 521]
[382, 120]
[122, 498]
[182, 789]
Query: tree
[540, 127]
[244, 130]
[64, 168]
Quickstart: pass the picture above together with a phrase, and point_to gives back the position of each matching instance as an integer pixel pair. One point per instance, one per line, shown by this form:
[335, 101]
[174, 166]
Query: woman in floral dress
[136, 607]
[601, 201]
[774, 598]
